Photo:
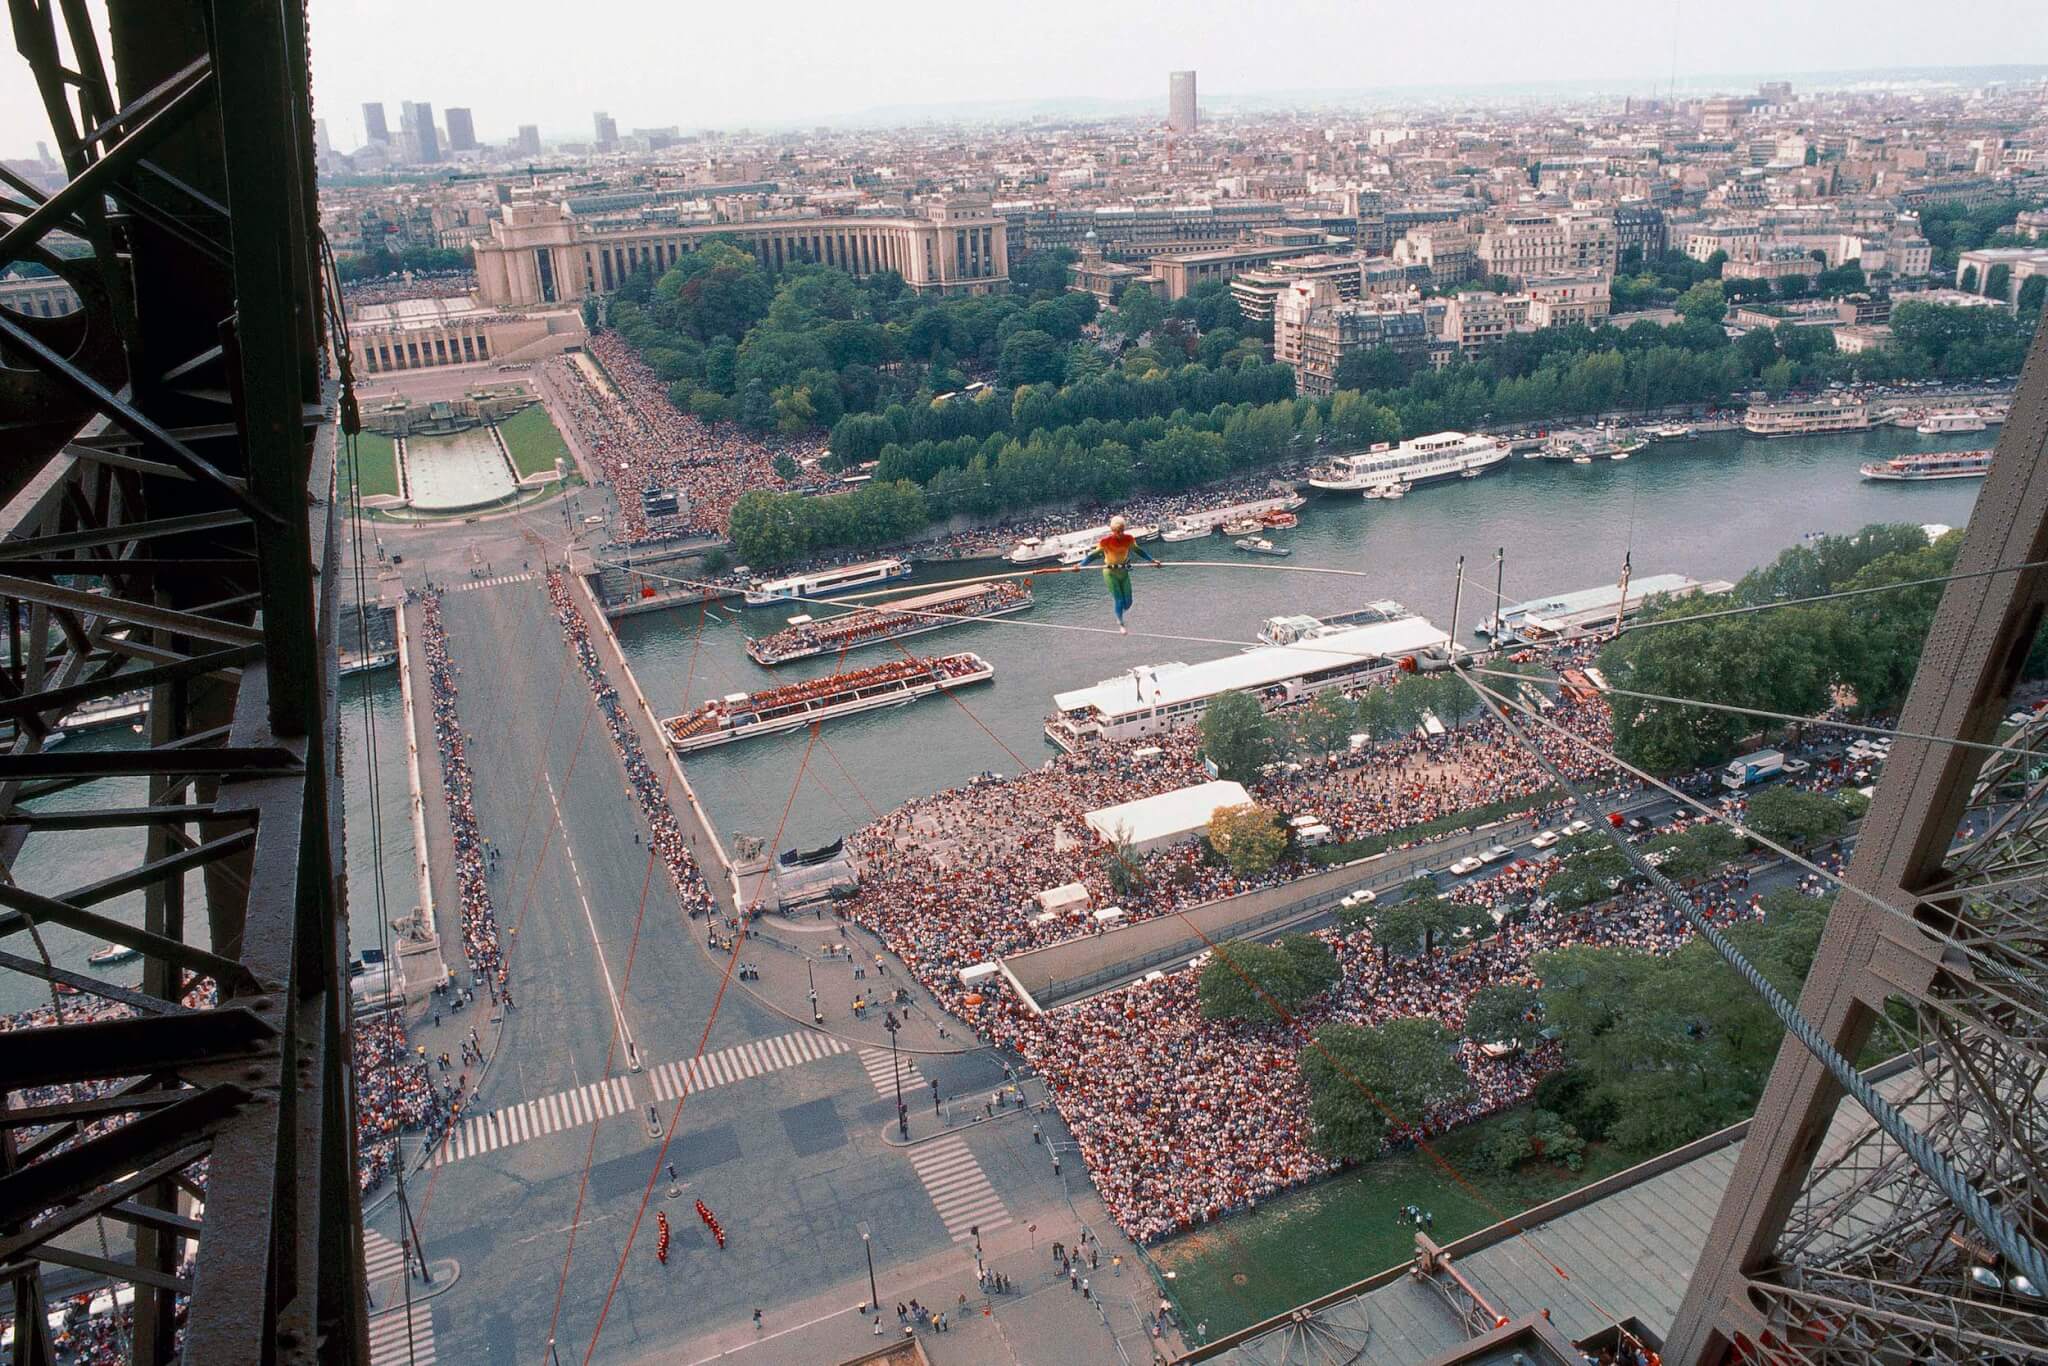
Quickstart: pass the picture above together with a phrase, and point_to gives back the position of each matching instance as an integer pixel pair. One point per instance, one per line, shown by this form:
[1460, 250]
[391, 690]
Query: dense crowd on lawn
[642, 441]
[1182, 1119]
[648, 787]
[949, 879]
[391, 289]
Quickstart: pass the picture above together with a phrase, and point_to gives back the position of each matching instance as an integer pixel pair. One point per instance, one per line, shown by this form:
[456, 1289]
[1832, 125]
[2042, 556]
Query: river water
[1711, 508]
[1714, 507]
[51, 864]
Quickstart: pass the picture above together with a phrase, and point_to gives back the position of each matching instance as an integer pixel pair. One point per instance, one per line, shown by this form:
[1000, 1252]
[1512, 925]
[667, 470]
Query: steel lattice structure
[171, 527]
[1849, 1252]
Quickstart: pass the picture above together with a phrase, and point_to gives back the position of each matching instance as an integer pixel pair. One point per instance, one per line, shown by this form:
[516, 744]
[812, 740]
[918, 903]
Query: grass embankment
[1310, 1242]
[376, 464]
[535, 444]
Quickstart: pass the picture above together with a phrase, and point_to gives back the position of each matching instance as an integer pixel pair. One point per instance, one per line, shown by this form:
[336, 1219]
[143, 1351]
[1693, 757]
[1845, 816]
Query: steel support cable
[1937, 1168]
[703, 1040]
[1732, 710]
[338, 332]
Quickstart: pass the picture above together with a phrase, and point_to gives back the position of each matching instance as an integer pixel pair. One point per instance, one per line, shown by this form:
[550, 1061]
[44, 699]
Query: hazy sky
[651, 63]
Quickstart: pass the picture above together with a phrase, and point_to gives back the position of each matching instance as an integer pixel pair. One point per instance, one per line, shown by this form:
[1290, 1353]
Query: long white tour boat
[1445, 455]
[742, 716]
[826, 582]
[1932, 465]
[805, 638]
[1567, 616]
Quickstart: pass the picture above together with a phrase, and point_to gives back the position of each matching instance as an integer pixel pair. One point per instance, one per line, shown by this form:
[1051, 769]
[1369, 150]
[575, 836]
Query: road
[785, 1142]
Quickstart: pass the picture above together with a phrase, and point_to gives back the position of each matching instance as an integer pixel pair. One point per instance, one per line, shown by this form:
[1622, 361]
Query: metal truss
[1832, 1244]
[169, 511]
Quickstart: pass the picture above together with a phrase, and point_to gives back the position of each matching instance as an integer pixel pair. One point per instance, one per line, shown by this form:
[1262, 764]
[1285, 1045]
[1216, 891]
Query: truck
[1746, 770]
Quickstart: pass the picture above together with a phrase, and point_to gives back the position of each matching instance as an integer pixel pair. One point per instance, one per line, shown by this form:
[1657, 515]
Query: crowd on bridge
[641, 441]
[1183, 1119]
[650, 790]
[472, 872]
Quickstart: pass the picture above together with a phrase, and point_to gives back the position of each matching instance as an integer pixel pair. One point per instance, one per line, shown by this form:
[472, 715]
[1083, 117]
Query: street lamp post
[892, 1024]
[867, 1246]
[810, 973]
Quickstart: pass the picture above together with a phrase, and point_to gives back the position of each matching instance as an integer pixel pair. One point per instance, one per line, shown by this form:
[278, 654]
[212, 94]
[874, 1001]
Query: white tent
[1070, 896]
[1153, 822]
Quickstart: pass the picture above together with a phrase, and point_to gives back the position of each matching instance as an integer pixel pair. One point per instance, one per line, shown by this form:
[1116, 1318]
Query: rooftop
[1166, 685]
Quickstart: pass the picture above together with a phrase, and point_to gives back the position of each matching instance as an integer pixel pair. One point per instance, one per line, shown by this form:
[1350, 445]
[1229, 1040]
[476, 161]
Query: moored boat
[806, 638]
[107, 954]
[1279, 520]
[826, 582]
[1947, 424]
[792, 706]
[1259, 545]
[1444, 455]
[1185, 531]
[1242, 526]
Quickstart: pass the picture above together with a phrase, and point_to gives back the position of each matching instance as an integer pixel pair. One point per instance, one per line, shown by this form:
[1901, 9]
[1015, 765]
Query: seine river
[1714, 507]
[1711, 508]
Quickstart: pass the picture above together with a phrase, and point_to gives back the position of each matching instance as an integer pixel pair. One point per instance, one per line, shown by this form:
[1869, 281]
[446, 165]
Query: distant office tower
[529, 140]
[374, 127]
[461, 130]
[607, 129]
[416, 121]
[1180, 101]
[321, 141]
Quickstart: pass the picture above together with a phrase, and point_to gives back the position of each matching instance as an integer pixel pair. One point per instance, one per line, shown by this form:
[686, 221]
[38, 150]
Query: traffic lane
[586, 811]
[559, 1029]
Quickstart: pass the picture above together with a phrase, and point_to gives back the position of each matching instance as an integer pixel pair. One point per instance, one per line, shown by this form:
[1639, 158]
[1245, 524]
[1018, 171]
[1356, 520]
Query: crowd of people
[472, 872]
[642, 441]
[648, 788]
[1182, 1119]
[391, 289]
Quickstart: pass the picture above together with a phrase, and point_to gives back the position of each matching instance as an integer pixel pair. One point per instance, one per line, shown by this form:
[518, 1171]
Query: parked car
[1496, 854]
[1545, 839]
[1576, 828]
[1471, 863]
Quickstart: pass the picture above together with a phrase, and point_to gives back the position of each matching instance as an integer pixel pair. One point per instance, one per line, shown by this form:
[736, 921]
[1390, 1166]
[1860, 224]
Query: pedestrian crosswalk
[471, 587]
[533, 1118]
[382, 1259]
[959, 1190]
[692, 1075]
[876, 1063]
[392, 1345]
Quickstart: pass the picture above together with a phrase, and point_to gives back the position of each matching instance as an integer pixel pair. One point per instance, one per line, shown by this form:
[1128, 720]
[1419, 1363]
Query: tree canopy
[1250, 837]
[1363, 1081]
[1238, 736]
[1244, 980]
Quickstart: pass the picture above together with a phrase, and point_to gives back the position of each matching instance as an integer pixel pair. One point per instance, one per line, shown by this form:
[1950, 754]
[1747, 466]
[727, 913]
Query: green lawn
[1296, 1247]
[376, 464]
[535, 444]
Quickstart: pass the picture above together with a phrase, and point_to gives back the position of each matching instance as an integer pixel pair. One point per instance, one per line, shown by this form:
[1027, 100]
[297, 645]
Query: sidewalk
[791, 956]
[1041, 1319]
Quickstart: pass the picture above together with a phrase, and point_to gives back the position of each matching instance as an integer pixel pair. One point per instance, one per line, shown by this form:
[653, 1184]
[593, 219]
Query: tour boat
[792, 706]
[1259, 545]
[826, 582]
[806, 637]
[1930, 465]
[1944, 424]
[1185, 531]
[1075, 555]
[1242, 526]
[1279, 520]
[1443, 455]
[106, 954]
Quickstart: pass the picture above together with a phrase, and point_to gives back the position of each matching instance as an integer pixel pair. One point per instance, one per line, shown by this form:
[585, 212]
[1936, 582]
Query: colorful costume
[1115, 551]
